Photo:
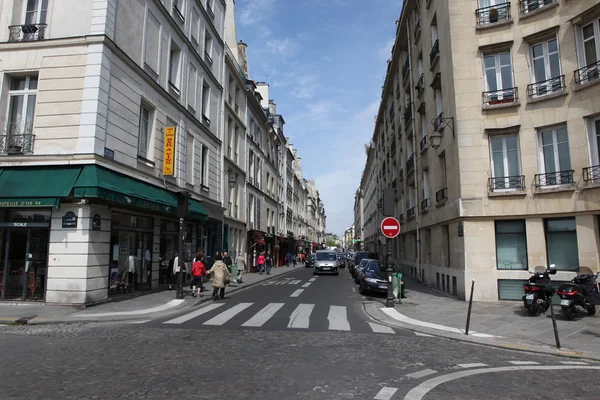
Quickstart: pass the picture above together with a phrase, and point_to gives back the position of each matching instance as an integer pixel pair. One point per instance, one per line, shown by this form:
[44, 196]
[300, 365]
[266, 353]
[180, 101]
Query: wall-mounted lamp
[232, 178]
[436, 140]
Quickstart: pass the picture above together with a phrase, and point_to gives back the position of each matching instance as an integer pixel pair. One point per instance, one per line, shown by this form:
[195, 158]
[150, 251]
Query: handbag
[227, 278]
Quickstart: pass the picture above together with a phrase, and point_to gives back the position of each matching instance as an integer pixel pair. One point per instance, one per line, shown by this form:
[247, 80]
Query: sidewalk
[503, 324]
[144, 307]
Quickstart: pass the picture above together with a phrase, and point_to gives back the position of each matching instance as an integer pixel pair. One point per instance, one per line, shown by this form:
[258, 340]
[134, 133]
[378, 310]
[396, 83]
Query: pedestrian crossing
[254, 315]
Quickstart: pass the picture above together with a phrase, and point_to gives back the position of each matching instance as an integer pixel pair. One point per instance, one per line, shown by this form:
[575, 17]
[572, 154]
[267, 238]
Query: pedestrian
[294, 260]
[227, 260]
[178, 268]
[260, 261]
[303, 257]
[268, 262]
[198, 271]
[221, 277]
[241, 262]
[288, 259]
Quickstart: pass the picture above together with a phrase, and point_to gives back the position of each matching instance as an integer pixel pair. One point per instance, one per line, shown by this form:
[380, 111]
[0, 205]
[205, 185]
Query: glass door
[15, 263]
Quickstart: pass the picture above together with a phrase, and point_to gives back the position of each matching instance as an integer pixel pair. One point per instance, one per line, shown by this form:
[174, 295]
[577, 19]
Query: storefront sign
[108, 153]
[96, 222]
[169, 151]
[69, 220]
[28, 203]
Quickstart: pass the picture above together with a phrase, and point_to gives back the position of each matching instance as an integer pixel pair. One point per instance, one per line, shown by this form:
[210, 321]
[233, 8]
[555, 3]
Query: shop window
[511, 245]
[132, 221]
[454, 286]
[510, 289]
[561, 243]
[25, 215]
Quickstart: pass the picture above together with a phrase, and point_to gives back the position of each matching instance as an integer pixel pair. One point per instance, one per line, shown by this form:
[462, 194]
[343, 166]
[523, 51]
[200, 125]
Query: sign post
[169, 151]
[390, 227]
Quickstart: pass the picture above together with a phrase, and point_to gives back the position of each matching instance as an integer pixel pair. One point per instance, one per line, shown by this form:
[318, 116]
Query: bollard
[556, 338]
[469, 310]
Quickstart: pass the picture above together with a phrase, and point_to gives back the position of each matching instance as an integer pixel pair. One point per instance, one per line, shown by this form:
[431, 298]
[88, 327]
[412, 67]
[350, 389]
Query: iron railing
[501, 96]
[441, 195]
[17, 144]
[588, 73]
[410, 213]
[506, 182]
[407, 114]
[177, 12]
[437, 123]
[420, 83]
[423, 144]
[591, 173]
[26, 33]
[548, 86]
[435, 52]
[401, 174]
[392, 111]
[526, 6]
[410, 163]
[418, 29]
[174, 88]
[554, 178]
[211, 13]
[425, 204]
[405, 67]
[493, 14]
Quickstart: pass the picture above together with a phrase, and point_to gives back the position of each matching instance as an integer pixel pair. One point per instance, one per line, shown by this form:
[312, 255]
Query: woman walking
[241, 262]
[198, 272]
[221, 277]
[261, 262]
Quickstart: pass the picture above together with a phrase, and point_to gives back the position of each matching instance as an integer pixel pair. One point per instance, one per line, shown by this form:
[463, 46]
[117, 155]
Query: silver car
[325, 262]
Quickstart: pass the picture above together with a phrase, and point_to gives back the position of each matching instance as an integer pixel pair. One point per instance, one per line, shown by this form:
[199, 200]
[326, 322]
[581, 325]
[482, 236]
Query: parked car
[341, 260]
[358, 257]
[358, 270]
[310, 261]
[326, 262]
[373, 278]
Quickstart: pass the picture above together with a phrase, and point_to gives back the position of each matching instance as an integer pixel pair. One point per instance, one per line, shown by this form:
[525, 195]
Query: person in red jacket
[198, 271]
[261, 262]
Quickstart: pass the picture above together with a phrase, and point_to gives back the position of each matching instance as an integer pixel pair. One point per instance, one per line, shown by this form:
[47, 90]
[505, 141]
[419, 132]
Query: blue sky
[325, 61]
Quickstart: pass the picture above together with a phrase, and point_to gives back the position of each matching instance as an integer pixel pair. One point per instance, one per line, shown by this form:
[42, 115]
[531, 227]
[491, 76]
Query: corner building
[489, 130]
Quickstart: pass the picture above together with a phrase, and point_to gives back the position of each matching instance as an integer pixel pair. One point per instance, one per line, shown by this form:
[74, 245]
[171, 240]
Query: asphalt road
[195, 360]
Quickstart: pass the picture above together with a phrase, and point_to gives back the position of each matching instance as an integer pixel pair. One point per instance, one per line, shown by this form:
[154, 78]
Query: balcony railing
[420, 83]
[208, 58]
[26, 33]
[392, 111]
[549, 86]
[437, 123]
[405, 68]
[401, 174]
[410, 163]
[527, 6]
[506, 182]
[554, 178]
[591, 173]
[211, 13]
[425, 204]
[423, 144]
[435, 52]
[407, 114]
[174, 89]
[493, 14]
[410, 214]
[441, 195]
[16, 144]
[418, 29]
[588, 73]
[503, 96]
[177, 12]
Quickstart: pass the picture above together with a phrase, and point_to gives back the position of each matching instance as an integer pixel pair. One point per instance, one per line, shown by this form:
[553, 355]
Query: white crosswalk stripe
[300, 318]
[228, 314]
[338, 319]
[192, 315]
[380, 328]
[385, 393]
[261, 317]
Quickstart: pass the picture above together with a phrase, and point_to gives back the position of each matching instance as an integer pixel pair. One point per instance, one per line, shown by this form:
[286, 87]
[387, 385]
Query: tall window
[425, 184]
[189, 159]
[192, 85]
[251, 166]
[174, 67]
[423, 126]
[236, 137]
[555, 161]
[511, 245]
[145, 131]
[21, 107]
[499, 77]
[206, 102]
[590, 34]
[506, 168]
[204, 168]
[561, 243]
[438, 102]
[546, 67]
[195, 26]
[208, 47]
[594, 136]
[152, 44]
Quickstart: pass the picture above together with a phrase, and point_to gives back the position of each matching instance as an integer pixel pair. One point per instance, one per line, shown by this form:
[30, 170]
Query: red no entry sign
[390, 227]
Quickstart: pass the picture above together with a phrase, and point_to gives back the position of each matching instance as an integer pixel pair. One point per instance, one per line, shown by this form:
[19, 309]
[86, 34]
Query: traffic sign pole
[390, 227]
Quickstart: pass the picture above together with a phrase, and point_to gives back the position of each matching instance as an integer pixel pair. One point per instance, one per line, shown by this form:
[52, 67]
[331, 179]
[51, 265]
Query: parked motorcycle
[580, 295]
[539, 290]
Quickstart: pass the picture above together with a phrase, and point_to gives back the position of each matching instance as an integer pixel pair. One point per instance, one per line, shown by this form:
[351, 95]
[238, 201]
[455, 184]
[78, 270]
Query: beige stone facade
[510, 98]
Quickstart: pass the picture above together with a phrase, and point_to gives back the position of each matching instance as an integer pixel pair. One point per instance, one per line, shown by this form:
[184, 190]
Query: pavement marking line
[300, 318]
[307, 284]
[419, 392]
[421, 374]
[294, 282]
[312, 279]
[140, 322]
[227, 314]
[524, 363]
[574, 363]
[163, 307]
[194, 314]
[338, 319]
[354, 289]
[263, 315]
[297, 293]
[385, 393]
[380, 328]
[472, 365]
[423, 334]
[268, 283]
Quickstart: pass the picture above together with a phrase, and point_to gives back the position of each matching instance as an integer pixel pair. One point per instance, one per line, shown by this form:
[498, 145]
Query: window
[546, 74]
[510, 289]
[593, 172]
[204, 168]
[251, 166]
[511, 245]
[426, 185]
[561, 243]
[178, 9]
[145, 131]
[423, 126]
[174, 68]
[35, 12]
[506, 168]
[21, 106]
[554, 158]
[208, 48]
[485, 15]
[438, 102]
[189, 159]
[236, 137]
[152, 44]
[195, 26]
[192, 85]
[206, 103]
[498, 79]
[589, 52]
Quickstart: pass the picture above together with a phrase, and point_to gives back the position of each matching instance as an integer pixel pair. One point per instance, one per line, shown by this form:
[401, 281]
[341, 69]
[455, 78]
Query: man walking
[288, 259]
[268, 262]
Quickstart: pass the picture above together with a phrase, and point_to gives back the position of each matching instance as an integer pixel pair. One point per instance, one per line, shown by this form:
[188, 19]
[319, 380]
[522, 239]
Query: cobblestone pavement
[129, 361]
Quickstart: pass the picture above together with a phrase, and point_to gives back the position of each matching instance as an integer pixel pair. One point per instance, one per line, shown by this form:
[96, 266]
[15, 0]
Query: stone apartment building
[489, 130]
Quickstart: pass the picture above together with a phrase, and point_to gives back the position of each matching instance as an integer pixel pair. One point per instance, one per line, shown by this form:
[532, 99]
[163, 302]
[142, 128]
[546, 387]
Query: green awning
[95, 181]
[197, 210]
[36, 186]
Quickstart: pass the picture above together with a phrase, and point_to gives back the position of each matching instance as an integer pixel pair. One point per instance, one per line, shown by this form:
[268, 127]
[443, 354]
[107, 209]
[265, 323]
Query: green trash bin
[234, 274]
[397, 286]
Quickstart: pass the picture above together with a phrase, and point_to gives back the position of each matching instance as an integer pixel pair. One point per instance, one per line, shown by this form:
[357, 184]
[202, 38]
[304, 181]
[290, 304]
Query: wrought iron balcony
[425, 204]
[435, 52]
[503, 96]
[401, 174]
[588, 73]
[516, 182]
[441, 195]
[554, 178]
[407, 114]
[437, 123]
[16, 144]
[591, 173]
[405, 68]
[410, 163]
[26, 33]
[493, 14]
[410, 214]
[418, 29]
[549, 86]
[423, 144]
[420, 83]
[527, 6]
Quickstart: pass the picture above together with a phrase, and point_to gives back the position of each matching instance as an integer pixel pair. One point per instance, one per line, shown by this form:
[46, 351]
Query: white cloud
[253, 11]
[285, 47]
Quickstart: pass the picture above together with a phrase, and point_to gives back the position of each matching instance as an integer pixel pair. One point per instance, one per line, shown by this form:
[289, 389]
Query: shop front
[256, 245]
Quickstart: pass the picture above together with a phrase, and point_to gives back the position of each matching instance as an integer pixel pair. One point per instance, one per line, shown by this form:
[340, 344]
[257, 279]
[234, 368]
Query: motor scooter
[582, 294]
[539, 290]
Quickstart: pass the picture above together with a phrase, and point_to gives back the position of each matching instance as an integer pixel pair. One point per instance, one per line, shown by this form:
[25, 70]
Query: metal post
[556, 338]
[179, 261]
[389, 270]
[470, 305]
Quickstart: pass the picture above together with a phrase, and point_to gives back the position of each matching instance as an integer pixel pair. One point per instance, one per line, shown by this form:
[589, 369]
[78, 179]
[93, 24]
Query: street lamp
[436, 140]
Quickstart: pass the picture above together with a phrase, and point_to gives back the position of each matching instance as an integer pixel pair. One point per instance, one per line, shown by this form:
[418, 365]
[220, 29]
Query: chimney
[243, 57]
[272, 107]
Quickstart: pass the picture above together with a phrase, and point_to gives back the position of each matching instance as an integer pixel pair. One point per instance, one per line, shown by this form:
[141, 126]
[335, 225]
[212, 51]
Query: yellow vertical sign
[169, 151]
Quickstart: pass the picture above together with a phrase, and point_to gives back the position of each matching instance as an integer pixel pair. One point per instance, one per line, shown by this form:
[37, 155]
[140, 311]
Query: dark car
[358, 257]
[358, 270]
[310, 261]
[341, 260]
[373, 278]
